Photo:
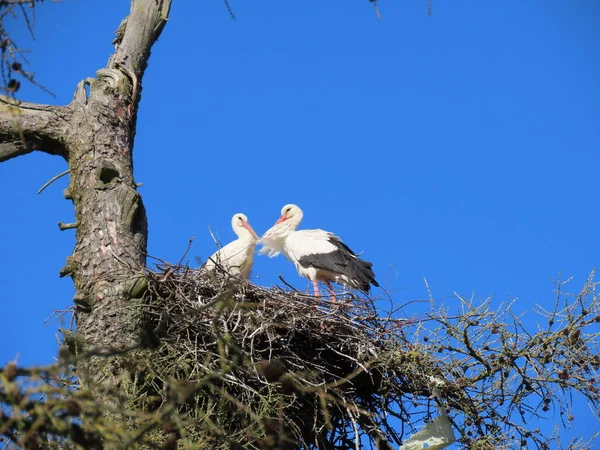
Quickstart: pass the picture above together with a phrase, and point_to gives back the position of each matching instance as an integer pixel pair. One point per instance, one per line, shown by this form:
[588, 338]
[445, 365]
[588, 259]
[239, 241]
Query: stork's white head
[241, 226]
[291, 215]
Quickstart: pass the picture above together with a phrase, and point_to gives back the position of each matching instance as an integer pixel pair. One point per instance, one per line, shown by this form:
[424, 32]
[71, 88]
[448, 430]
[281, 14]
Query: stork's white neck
[282, 230]
[243, 233]
[293, 222]
[288, 226]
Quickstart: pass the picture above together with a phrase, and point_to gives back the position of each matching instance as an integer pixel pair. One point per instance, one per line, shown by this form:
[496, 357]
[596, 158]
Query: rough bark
[110, 216]
[95, 133]
[25, 127]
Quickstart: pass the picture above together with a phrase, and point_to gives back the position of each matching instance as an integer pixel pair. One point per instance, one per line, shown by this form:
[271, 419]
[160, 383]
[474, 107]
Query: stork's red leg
[331, 290]
[316, 288]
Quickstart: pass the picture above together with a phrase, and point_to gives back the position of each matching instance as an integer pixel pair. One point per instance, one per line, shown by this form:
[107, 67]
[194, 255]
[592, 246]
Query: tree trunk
[95, 134]
[110, 215]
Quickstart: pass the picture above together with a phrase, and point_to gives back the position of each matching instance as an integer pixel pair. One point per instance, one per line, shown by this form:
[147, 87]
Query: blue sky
[462, 147]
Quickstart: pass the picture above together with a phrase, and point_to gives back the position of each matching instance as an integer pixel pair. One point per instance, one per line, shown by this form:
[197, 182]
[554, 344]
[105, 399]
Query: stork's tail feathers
[365, 275]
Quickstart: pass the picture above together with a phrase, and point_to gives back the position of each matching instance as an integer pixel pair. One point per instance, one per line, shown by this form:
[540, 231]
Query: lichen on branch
[27, 127]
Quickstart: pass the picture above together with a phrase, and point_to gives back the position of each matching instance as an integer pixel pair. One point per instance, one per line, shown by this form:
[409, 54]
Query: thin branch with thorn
[186, 250]
[229, 9]
[286, 283]
[52, 180]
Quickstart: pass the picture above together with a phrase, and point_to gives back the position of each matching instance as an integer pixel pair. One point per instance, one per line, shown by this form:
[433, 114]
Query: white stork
[236, 257]
[317, 254]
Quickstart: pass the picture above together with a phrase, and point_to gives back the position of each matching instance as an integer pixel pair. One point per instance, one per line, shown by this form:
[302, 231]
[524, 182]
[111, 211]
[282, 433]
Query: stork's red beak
[247, 226]
[281, 219]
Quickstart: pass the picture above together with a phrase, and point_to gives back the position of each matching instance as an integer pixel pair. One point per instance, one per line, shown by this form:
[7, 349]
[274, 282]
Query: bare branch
[26, 127]
[52, 180]
[135, 37]
[12, 57]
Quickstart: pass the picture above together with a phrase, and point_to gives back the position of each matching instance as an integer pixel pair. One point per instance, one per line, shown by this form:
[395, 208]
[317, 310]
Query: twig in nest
[187, 249]
[216, 241]
[286, 283]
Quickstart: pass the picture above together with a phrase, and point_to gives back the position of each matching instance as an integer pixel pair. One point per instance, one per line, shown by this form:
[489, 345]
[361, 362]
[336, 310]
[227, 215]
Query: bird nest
[273, 368]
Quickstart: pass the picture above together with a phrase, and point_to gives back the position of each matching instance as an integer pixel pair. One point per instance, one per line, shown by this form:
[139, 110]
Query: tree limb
[26, 127]
[135, 37]
[111, 218]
